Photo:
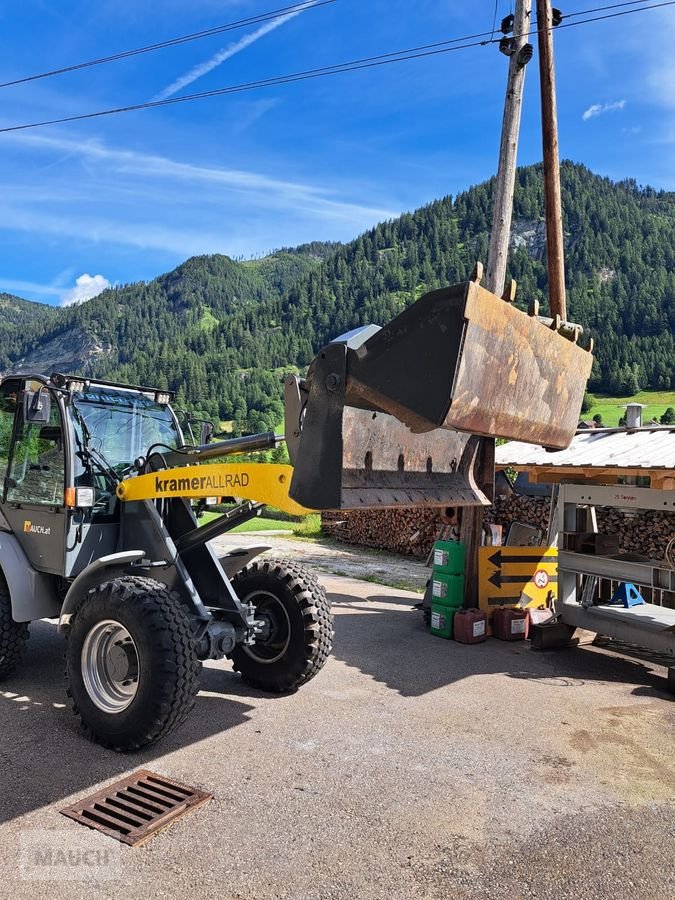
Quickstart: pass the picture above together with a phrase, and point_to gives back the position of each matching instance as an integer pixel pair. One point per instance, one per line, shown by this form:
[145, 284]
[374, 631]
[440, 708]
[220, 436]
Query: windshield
[123, 425]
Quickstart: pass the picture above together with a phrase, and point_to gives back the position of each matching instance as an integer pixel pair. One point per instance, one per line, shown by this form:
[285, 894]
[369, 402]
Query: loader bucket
[389, 417]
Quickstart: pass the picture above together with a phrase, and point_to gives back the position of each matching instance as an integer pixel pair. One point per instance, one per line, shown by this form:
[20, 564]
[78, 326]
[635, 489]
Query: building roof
[647, 448]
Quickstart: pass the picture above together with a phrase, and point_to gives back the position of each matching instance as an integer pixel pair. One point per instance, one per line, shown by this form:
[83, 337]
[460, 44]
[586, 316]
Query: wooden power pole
[508, 153]
[519, 53]
[555, 251]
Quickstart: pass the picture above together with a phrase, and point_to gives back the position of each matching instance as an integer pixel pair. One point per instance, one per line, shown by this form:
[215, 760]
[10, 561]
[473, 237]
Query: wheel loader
[97, 528]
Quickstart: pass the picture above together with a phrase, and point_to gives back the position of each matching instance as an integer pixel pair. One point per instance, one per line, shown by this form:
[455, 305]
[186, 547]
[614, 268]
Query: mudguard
[103, 569]
[32, 593]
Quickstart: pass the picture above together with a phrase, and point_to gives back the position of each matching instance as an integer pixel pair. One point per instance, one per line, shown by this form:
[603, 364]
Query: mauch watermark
[64, 855]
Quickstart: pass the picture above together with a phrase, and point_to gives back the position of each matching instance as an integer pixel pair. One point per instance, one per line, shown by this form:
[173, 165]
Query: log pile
[413, 531]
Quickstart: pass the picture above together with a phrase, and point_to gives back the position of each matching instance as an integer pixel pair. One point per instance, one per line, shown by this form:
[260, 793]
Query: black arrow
[498, 579]
[498, 558]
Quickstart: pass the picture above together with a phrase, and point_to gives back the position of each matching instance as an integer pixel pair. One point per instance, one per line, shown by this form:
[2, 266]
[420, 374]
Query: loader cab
[33, 470]
[64, 444]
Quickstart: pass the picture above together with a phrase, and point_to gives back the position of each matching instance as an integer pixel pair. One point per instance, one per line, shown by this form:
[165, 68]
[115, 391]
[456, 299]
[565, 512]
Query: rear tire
[13, 635]
[131, 663]
[298, 625]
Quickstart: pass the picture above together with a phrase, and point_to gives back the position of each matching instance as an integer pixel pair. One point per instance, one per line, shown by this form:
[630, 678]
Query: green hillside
[22, 323]
[221, 332]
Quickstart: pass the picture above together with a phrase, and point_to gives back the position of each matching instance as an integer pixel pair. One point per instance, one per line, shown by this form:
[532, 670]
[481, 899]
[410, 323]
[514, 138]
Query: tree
[668, 418]
[597, 418]
[588, 402]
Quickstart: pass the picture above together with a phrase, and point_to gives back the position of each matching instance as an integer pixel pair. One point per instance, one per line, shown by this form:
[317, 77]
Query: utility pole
[519, 52]
[508, 150]
[555, 251]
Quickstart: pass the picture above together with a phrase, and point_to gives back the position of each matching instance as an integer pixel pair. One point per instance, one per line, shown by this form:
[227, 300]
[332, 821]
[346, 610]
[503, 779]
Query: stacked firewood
[517, 508]
[407, 531]
[413, 531]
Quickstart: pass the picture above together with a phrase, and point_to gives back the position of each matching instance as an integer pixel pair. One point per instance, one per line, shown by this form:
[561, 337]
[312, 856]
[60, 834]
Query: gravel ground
[410, 767]
[334, 558]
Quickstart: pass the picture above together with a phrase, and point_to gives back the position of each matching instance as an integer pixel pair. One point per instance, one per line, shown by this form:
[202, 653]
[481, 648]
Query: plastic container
[510, 624]
[470, 626]
[442, 619]
[447, 590]
[448, 557]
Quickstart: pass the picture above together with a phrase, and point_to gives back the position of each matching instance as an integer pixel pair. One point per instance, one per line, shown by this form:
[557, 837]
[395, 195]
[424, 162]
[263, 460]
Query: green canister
[447, 590]
[442, 620]
[448, 557]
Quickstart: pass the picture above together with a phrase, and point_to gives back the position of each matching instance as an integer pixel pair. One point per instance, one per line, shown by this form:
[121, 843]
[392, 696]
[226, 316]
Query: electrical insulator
[556, 17]
[525, 54]
[506, 46]
[507, 24]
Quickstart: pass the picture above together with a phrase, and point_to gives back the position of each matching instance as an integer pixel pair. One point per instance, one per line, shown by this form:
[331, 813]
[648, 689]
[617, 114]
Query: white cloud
[599, 109]
[86, 287]
[219, 58]
[261, 190]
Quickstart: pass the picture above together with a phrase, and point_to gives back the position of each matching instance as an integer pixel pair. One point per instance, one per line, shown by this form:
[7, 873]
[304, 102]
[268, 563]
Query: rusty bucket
[390, 416]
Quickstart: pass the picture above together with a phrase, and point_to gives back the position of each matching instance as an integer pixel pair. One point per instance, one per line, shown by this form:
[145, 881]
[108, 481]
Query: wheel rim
[274, 638]
[110, 666]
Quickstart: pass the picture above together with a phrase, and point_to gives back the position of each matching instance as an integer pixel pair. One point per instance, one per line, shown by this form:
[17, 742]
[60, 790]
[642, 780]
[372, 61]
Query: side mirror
[37, 406]
[206, 432]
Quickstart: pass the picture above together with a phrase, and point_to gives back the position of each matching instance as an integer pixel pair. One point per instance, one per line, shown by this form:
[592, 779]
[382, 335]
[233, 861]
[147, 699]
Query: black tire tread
[318, 621]
[168, 620]
[13, 635]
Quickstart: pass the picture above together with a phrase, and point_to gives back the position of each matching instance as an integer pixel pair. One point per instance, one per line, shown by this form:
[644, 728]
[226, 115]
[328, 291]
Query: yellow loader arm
[263, 482]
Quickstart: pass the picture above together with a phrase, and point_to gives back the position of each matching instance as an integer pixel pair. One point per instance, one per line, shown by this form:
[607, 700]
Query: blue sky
[131, 196]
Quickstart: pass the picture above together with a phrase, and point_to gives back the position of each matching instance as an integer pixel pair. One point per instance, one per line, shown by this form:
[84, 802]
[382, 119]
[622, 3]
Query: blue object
[627, 595]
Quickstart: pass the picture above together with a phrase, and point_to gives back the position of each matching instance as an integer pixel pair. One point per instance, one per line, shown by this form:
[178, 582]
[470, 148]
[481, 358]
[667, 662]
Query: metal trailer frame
[651, 625]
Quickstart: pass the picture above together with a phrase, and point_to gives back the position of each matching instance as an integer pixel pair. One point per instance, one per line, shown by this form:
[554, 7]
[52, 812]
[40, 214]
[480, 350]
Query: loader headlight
[79, 498]
[162, 398]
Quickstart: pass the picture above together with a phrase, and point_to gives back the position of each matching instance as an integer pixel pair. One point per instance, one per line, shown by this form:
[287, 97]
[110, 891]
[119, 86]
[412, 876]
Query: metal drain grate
[136, 807]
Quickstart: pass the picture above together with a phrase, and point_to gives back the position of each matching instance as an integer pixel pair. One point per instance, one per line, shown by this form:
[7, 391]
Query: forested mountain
[20, 321]
[221, 333]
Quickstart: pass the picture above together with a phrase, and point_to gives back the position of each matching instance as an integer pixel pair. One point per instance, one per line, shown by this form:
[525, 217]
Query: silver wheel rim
[271, 646]
[110, 666]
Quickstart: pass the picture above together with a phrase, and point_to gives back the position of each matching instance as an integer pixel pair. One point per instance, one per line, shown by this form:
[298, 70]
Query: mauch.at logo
[60, 855]
[31, 528]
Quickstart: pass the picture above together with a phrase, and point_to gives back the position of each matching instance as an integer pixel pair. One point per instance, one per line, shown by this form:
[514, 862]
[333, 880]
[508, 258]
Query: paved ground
[411, 767]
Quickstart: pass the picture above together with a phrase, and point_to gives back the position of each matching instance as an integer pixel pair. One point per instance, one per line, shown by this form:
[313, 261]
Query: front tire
[13, 635]
[131, 663]
[297, 632]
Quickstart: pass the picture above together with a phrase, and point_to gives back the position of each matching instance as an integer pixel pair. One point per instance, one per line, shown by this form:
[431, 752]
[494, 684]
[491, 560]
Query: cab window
[37, 465]
[9, 391]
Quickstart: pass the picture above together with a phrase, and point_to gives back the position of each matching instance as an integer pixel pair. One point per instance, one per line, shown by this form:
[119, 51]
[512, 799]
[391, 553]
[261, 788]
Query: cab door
[9, 394]
[34, 483]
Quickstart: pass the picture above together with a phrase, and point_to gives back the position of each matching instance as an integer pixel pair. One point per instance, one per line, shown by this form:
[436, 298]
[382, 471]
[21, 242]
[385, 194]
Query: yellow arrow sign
[505, 574]
[263, 482]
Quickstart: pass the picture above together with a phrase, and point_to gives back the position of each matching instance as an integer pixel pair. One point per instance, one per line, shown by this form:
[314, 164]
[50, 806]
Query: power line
[301, 6]
[494, 20]
[353, 65]
[586, 12]
[428, 50]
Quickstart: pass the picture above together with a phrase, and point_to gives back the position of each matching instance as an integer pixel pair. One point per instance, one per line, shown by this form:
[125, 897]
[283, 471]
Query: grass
[207, 321]
[382, 579]
[257, 524]
[610, 408]
[308, 527]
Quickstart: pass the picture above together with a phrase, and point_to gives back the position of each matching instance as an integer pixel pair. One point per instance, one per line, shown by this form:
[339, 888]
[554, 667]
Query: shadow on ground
[384, 637]
[44, 755]
[45, 758]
